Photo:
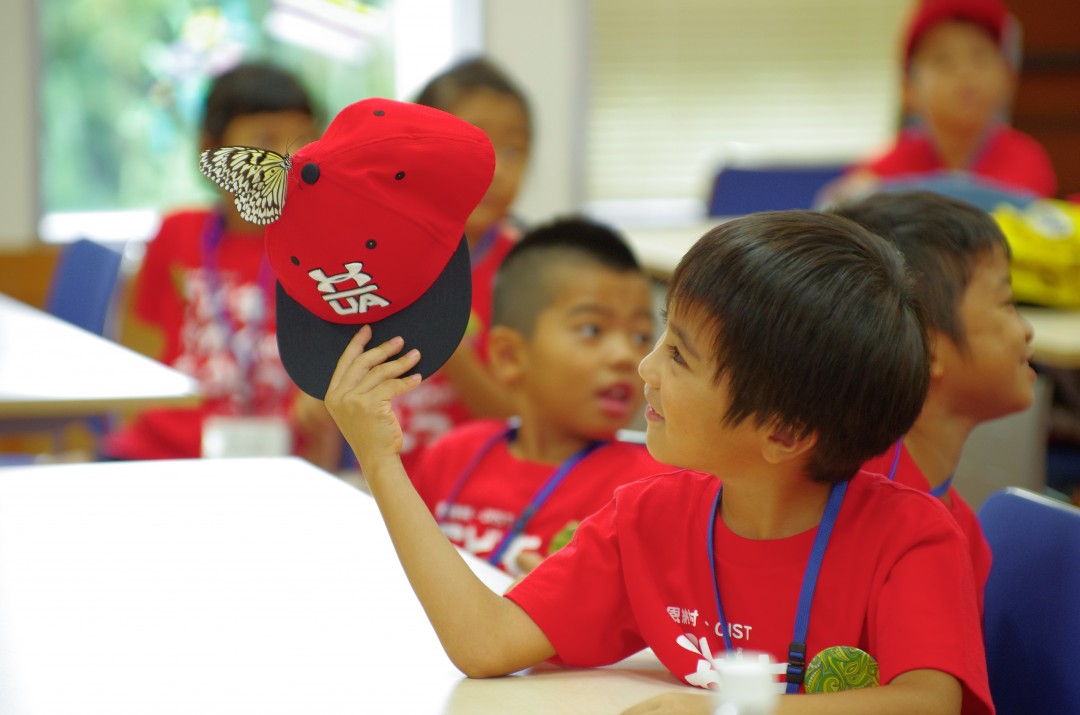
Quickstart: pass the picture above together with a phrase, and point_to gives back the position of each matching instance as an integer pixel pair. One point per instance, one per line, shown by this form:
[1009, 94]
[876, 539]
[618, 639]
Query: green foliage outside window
[122, 84]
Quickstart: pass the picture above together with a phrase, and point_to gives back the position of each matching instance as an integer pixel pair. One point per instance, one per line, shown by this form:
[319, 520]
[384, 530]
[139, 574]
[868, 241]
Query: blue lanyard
[211, 243]
[896, 459]
[484, 245]
[796, 669]
[938, 491]
[535, 503]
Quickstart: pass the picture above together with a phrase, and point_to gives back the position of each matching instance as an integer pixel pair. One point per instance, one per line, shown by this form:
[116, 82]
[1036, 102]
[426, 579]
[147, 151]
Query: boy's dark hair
[527, 278]
[942, 239]
[444, 89]
[252, 88]
[816, 329]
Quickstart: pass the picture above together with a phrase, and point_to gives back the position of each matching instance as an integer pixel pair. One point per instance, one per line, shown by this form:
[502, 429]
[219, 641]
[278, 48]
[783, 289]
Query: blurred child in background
[572, 319]
[202, 301]
[959, 79]
[980, 345]
[480, 93]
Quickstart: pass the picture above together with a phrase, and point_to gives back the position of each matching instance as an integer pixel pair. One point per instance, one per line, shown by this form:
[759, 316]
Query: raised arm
[483, 633]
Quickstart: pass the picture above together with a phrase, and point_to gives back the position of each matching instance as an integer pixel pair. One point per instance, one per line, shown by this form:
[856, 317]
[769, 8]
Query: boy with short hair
[794, 352]
[958, 82]
[980, 345]
[572, 319]
[203, 298]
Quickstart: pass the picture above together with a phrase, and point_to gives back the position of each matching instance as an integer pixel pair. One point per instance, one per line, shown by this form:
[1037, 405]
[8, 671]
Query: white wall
[19, 187]
[542, 44]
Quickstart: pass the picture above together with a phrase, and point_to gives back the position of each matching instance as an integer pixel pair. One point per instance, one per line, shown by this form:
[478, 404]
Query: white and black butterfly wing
[258, 177]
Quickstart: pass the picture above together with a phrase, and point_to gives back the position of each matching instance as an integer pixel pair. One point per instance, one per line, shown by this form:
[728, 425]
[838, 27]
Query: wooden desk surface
[50, 368]
[235, 586]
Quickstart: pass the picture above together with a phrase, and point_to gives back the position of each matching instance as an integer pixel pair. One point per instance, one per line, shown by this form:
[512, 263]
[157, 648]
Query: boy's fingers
[390, 389]
[353, 368]
[384, 371]
[348, 355]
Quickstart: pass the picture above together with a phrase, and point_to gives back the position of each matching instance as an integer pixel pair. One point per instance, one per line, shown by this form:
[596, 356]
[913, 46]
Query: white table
[235, 586]
[52, 369]
[660, 248]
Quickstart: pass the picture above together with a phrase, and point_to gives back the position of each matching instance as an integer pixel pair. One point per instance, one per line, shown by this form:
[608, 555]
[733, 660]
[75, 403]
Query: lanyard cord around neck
[938, 491]
[212, 237]
[535, 503]
[796, 669]
[484, 245]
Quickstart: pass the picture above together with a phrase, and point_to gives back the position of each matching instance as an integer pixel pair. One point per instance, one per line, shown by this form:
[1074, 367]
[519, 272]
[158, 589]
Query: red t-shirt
[435, 407]
[215, 308]
[500, 486]
[895, 582]
[1007, 157]
[909, 474]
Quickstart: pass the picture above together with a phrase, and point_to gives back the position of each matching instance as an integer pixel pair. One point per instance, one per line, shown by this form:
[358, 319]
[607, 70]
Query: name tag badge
[246, 437]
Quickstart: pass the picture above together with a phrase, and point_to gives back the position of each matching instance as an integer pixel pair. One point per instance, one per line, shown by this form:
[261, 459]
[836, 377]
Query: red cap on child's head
[372, 232]
[991, 14]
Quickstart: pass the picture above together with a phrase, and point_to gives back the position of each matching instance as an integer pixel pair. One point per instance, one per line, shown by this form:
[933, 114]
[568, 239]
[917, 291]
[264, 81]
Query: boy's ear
[936, 341]
[506, 354]
[784, 444]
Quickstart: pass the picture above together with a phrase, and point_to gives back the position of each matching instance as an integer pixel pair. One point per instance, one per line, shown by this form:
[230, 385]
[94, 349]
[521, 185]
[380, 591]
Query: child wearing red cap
[572, 319]
[980, 345]
[959, 77]
[203, 298]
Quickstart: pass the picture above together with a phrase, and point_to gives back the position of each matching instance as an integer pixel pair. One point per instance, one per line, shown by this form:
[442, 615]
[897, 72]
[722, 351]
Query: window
[122, 86]
[680, 87]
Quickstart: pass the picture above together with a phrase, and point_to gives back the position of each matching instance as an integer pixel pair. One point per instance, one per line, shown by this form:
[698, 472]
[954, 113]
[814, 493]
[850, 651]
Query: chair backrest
[741, 190]
[1032, 620]
[83, 285]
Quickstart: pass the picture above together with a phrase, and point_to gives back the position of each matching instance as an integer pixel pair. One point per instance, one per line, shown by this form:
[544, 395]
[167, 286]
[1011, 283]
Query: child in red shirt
[958, 82]
[572, 319]
[979, 344]
[794, 351]
[204, 292]
[480, 93]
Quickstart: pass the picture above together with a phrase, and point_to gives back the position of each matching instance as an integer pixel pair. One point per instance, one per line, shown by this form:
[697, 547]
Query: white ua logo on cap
[353, 300]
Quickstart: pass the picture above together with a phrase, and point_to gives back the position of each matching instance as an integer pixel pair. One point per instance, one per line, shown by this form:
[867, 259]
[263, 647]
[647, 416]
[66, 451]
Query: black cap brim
[434, 324]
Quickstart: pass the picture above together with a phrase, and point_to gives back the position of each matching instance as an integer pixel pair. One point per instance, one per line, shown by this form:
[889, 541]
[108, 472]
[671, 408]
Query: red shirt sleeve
[587, 573]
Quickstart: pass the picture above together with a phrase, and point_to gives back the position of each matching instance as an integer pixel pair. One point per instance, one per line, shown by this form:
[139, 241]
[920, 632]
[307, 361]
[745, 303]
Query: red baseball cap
[991, 14]
[372, 233]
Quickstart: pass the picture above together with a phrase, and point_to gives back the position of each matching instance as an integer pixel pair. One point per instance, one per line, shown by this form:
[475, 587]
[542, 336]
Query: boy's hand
[528, 560]
[360, 392]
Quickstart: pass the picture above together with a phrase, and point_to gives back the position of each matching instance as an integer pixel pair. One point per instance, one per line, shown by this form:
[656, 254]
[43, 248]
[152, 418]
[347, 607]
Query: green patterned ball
[562, 538]
[841, 667]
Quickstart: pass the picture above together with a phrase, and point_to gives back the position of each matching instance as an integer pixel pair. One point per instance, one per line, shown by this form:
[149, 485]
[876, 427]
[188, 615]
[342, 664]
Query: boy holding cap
[882, 566]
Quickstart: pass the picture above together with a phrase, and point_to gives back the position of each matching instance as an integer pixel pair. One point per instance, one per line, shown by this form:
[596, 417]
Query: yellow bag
[1045, 241]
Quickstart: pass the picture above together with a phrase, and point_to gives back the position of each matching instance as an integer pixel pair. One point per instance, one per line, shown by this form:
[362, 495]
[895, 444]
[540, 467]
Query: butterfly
[258, 177]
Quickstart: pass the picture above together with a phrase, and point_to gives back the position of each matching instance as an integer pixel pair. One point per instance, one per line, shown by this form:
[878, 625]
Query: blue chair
[82, 290]
[1032, 619]
[737, 190]
[83, 285]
